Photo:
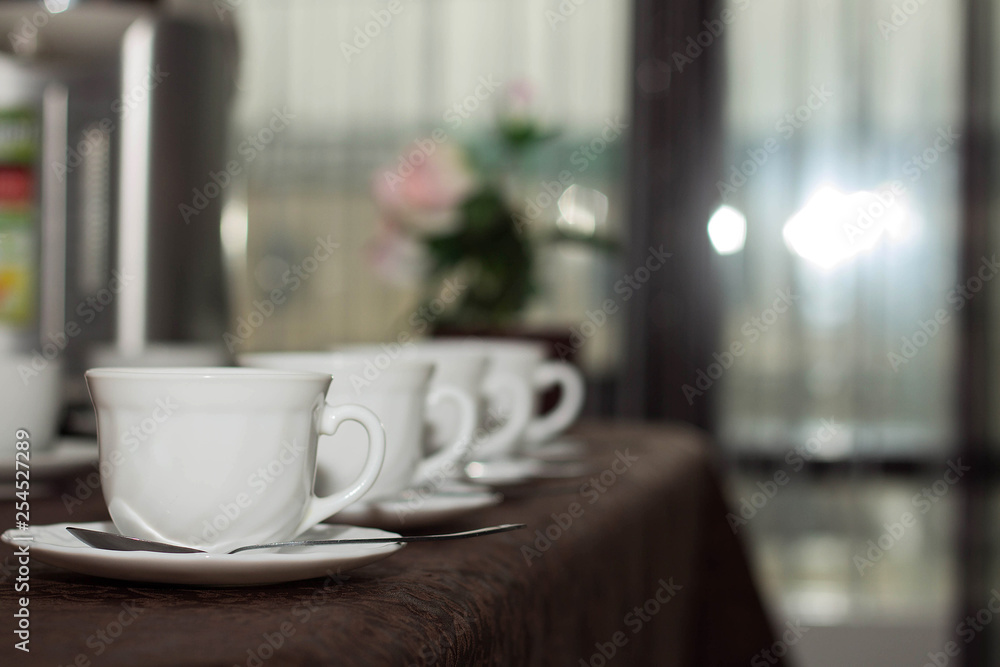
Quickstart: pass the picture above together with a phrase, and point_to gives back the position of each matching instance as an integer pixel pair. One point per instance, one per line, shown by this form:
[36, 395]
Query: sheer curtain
[845, 128]
[844, 124]
[366, 78]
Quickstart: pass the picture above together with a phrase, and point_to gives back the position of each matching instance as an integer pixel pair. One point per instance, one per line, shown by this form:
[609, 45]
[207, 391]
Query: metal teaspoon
[103, 540]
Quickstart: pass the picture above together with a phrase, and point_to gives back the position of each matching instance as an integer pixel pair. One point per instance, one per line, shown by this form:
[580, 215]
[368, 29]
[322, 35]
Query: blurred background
[773, 220]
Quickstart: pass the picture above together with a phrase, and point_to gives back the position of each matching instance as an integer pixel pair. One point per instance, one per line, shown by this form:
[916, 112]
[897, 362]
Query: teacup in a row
[506, 377]
[441, 404]
[216, 458]
[401, 394]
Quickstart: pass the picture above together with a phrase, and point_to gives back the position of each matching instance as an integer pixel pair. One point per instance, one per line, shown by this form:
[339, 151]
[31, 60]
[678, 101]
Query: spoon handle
[388, 540]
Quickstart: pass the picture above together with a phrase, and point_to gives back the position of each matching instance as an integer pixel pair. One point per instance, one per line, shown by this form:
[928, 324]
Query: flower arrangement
[452, 214]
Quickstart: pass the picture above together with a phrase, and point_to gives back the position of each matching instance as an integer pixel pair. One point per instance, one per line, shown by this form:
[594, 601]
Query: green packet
[19, 136]
[17, 265]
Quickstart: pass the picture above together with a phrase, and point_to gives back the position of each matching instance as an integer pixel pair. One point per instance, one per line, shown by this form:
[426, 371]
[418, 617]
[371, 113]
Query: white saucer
[561, 449]
[54, 545]
[67, 455]
[420, 510]
[523, 469]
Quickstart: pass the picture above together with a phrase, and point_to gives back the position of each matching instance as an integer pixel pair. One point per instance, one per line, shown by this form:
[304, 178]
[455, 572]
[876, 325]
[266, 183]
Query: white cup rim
[336, 360]
[201, 372]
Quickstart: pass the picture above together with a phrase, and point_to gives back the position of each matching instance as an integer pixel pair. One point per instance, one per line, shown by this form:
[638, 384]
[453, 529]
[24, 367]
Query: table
[635, 565]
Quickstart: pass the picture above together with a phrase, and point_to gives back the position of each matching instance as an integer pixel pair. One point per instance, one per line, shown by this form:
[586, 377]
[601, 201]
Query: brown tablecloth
[637, 567]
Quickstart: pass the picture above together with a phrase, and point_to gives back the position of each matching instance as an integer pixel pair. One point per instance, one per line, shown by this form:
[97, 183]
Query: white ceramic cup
[464, 369]
[400, 393]
[517, 371]
[216, 458]
[30, 400]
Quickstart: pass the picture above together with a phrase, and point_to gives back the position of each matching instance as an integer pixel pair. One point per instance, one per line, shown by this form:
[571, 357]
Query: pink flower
[422, 192]
[519, 100]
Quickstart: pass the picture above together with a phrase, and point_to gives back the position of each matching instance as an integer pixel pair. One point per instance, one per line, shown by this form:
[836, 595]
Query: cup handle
[455, 453]
[329, 421]
[501, 441]
[570, 379]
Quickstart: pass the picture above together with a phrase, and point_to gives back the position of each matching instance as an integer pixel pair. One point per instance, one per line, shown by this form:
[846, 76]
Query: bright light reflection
[833, 227]
[57, 6]
[727, 230]
[582, 210]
